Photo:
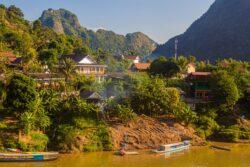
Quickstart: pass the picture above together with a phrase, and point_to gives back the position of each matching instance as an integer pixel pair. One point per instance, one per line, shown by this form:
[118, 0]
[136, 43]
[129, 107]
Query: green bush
[83, 123]
[3, 126]
[122, 111]
[65, 136]
[1, 145]
[10, 142]
[125, 113]
[207, 126]
[184, 113]
[234, 133]
[230, 134]
[38, 142]
[100, 140]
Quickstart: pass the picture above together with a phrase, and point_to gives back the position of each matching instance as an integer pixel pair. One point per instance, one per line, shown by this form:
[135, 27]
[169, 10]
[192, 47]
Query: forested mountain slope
[65, 22]
[222, 32]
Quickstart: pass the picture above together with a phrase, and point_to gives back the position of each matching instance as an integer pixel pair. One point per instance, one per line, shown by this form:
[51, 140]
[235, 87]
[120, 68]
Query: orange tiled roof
[8, 55]
[201, 73]
[142, 66]
[131, 57]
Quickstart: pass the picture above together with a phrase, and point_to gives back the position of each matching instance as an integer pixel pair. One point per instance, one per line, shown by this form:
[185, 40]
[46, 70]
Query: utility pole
[176, 49]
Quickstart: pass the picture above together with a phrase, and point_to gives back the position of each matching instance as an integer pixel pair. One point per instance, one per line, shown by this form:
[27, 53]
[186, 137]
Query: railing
[202, 87]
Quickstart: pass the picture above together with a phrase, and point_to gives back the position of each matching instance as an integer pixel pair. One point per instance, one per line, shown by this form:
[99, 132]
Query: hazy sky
[159, 19]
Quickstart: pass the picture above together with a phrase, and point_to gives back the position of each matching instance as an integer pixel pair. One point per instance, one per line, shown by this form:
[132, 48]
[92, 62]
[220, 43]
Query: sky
[159, 19]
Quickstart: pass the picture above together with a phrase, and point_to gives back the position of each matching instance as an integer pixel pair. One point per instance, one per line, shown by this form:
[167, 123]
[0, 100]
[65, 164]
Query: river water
[239, 156]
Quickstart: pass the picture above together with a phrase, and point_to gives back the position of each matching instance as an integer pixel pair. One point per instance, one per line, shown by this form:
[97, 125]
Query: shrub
[1, 145]
[124, 113]
[207, 126]
[100, 140]
[184, 113]
[10, 142]
[154, 99]
[3, 125]
[36, 142]
[234, 133]
[83, 123]
[230, 134]
[65, 136]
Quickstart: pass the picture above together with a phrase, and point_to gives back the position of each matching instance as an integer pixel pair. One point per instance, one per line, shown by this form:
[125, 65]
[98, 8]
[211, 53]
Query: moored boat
[123, 152]
[26, 157]
[176, 147]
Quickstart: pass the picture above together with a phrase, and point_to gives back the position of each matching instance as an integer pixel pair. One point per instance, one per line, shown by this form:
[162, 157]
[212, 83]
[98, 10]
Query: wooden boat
[220, 148]
[26, 157]
[170, 148]
[122, 153]
[131, 153]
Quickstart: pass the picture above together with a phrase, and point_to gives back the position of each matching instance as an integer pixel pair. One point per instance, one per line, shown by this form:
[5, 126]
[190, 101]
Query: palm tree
[42, 119]
[68, 68]
[28, 121]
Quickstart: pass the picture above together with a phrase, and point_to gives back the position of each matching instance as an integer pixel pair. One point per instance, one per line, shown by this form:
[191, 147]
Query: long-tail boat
[27, 157]
[176, 147]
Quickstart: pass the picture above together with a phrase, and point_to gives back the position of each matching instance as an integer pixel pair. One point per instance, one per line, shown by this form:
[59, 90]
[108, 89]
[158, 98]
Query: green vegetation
[65, 22]
[35, 116]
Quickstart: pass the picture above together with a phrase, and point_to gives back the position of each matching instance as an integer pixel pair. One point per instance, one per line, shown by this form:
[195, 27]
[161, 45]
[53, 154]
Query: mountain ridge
[66, 22]
[222, 32]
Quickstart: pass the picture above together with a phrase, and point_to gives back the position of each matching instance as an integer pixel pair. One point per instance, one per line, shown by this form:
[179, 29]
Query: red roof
[8, 55]
[142, 66]
[131, 57]
[201, 73]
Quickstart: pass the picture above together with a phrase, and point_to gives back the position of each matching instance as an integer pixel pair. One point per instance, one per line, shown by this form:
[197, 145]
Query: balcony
[202, 87]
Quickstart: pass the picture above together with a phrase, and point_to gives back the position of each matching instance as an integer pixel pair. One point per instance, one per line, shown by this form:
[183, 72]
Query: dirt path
[148, 133]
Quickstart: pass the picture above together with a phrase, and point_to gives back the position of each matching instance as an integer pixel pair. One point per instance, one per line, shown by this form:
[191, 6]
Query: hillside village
[58, 93]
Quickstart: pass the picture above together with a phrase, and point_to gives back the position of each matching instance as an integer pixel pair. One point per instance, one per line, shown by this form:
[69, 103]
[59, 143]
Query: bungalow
[86, 65]
[140, 67]
[91, 96]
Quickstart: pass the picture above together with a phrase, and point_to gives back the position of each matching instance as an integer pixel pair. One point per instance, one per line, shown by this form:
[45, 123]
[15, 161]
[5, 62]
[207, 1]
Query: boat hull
[9, 157]
[171, 150]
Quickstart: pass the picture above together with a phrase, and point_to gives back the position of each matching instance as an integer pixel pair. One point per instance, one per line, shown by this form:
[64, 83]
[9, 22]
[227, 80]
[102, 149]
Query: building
[91, 96]
[199, 88]
[86, 65]
[134, 59]
[140, 67]
[199, 85]
[46, 78]
[191, 68]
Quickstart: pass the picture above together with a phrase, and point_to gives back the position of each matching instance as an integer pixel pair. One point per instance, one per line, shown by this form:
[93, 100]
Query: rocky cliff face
[63, 21]
[222, 32]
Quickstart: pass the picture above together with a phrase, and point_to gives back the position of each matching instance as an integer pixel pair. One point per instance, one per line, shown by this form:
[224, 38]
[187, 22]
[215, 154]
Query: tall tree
[163, 67]
[224, 91]
[21, 91]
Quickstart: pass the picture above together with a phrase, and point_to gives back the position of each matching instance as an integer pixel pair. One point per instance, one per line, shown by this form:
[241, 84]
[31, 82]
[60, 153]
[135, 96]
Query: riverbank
[148, 133]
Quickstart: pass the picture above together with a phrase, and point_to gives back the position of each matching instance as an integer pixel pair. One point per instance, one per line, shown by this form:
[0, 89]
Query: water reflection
[239, 156]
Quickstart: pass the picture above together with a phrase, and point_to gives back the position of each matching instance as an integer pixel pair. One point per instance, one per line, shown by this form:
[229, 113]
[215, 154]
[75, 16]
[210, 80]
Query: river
[239, 156]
